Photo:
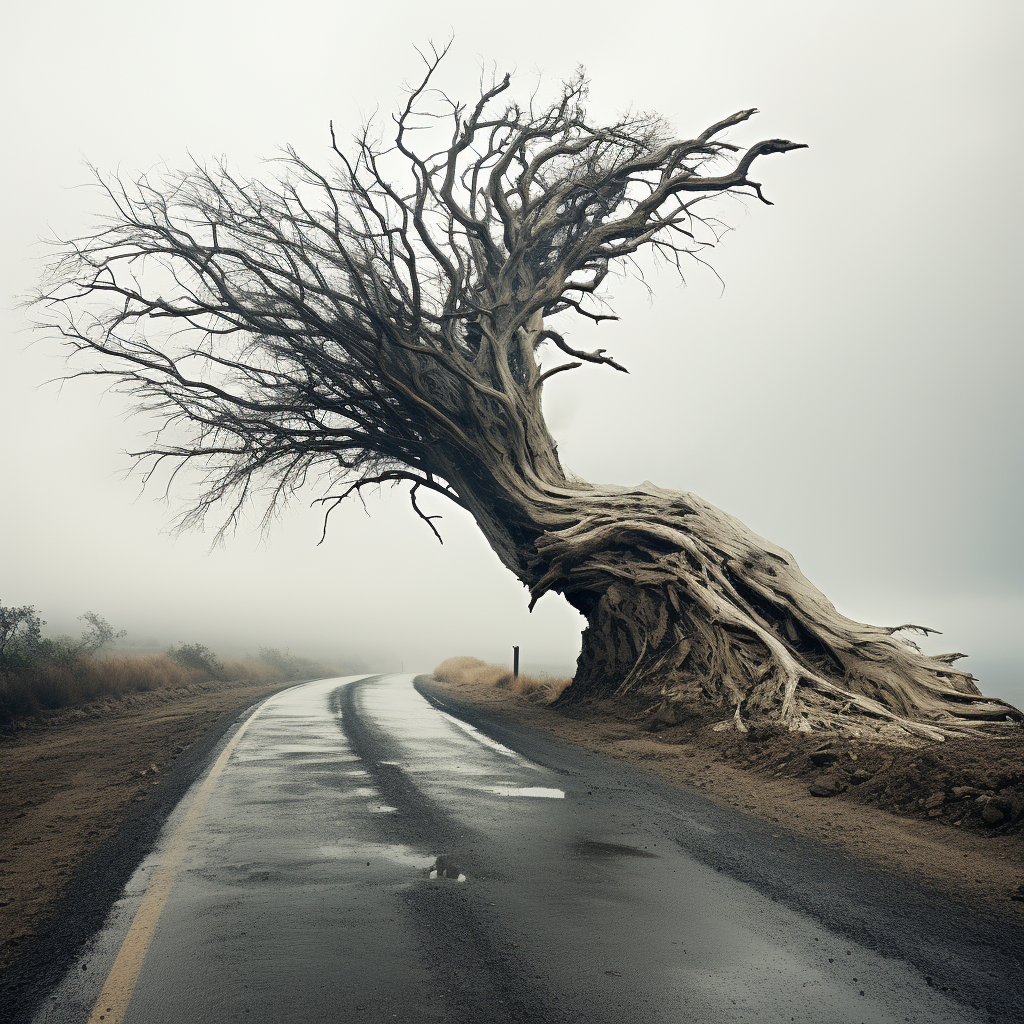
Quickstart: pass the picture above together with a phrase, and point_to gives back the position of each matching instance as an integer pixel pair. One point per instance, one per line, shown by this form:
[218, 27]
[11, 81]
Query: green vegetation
[199, 659]
[39, 673]
[23, 647]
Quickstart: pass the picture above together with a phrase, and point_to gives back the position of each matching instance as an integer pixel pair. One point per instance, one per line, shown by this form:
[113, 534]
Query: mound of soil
[973, 783]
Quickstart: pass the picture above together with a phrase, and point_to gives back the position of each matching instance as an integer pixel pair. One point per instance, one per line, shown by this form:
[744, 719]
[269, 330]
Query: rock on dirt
[828, 785]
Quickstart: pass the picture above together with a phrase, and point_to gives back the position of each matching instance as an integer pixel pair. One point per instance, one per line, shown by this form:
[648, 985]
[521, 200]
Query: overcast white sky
[853, 394]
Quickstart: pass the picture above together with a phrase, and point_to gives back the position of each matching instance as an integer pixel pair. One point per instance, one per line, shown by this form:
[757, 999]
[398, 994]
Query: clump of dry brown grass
[85, 678]
[48, 686]
[466, 671]
[252, 670]
[61, 684]
[46, 673]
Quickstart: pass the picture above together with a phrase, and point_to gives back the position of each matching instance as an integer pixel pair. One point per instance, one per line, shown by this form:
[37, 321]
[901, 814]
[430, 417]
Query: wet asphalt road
[298, 888]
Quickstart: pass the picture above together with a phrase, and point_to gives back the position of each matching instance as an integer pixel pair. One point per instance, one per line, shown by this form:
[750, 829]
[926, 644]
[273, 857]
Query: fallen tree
[380, 321]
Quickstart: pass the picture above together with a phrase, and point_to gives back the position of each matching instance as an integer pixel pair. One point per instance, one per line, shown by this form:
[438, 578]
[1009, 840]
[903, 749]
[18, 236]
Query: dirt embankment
[67, 778]
[951, 813]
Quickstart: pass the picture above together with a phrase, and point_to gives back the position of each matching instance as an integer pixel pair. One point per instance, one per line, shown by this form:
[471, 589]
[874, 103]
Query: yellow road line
[117, 991]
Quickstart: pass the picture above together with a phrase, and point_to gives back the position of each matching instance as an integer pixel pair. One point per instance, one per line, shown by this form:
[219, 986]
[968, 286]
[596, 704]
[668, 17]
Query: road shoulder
[86, 792]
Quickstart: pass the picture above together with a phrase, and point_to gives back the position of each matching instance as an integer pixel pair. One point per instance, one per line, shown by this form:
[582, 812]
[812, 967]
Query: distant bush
[20, 637]
[292, 666]
[98, 634]
[251, 670]
[22, 645]
[467, 671]
[199, 659]
[281, 661]
[40, 673]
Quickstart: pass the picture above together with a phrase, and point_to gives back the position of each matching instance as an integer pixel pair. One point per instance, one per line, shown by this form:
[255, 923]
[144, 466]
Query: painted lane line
[486, 741]
[531, 791]
[113, 1000]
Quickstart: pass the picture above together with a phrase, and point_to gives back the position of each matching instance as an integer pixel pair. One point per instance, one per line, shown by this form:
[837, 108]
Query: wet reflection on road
[365, 852]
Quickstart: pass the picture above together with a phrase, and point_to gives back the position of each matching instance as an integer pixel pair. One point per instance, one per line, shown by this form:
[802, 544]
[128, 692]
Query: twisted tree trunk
[686, 604]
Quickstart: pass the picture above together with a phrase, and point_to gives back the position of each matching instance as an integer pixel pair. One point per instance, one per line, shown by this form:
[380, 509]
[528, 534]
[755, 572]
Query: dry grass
[252, 670]
[50, 686]
[536, 689]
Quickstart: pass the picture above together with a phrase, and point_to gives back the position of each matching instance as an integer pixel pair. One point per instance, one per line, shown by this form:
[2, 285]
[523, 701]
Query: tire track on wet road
[470, 963]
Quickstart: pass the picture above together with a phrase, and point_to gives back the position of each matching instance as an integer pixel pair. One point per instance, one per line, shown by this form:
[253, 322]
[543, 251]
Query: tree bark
[685, 604]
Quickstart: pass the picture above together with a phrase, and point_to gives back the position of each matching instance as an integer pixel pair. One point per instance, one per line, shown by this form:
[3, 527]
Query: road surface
[357, 852]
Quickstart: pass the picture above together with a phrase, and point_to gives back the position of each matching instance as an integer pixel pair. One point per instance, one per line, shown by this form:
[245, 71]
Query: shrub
[199, 658]
[283, 662]
[20, 636]
[292, 666]
[23, 646]
[40, 673]
[98, 634]
[16, 699]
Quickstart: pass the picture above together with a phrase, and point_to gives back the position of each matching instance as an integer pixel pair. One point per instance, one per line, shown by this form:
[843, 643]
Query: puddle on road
[542, 791]
[445, 867]
[395, 852]
[308, 753]
[592, 848]
[359, 792]
[320, 753]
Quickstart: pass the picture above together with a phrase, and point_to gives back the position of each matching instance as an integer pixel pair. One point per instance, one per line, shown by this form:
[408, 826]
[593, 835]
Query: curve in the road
[316, 877]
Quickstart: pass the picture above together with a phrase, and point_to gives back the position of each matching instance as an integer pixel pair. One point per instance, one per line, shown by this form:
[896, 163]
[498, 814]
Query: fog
[852, 393]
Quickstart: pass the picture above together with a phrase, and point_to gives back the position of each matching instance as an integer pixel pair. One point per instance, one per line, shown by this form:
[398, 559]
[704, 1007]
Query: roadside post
[515, 662]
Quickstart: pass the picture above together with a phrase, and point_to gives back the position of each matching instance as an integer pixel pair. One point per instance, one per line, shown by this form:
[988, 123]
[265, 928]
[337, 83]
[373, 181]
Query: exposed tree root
[684, 601]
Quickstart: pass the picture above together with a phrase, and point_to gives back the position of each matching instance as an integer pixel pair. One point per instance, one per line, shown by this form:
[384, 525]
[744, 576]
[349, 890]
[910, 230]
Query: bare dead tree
[379, 321]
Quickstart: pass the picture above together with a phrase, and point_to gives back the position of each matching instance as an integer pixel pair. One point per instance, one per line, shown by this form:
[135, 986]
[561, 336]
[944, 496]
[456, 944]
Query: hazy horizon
[852, 394]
